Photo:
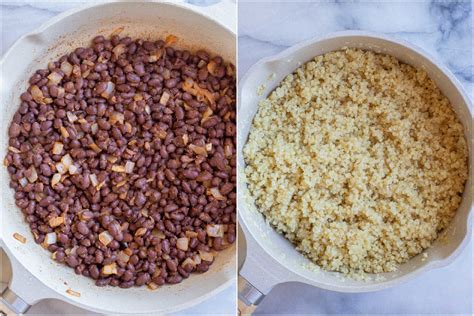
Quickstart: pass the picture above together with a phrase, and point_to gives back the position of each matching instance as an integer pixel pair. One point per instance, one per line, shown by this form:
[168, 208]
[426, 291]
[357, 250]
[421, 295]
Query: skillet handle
[12, 304]
[249, 297]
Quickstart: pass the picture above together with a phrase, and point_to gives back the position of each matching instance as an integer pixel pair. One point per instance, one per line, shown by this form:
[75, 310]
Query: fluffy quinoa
[358, 159]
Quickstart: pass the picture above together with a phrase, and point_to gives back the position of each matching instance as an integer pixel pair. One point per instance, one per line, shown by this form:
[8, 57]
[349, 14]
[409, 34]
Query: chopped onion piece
[119, 50]
[182, 243]
[123, 257]
[20, 238]
[152, 286]
[209, 147]
[164, 98]
[105, 238]
[110, 269]
[37, 94]
[212, 68]
[71, 251]
[73, 293]
[32, 175]
[61, 168]
[155, 56]
[94, 128]
[198, 150]
[67, 161]
[57, 148]
[206, 256]
[214, 230]
[54, 78]
[117, 168]
[64, 132]
[71, 117]
[147, 109]
[188, 261]
[108, 90]
[23, 182]
[14, 150]
[206, 114]
[73, 169]
[56, 221]
[67, 68]
[140, 232]
[116, 117]
[50, 238]
[76, 71]
[112, 159]
[217, 194]
[197, 259]
[228, 151]
[56, 179]
[129, 165]
[191, 234]
[95, 148]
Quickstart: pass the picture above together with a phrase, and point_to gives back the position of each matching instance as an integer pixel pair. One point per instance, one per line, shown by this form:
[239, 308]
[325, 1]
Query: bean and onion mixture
[122, 158]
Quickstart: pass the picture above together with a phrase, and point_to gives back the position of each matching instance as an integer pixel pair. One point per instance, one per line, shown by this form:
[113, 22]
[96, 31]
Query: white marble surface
[20, 17]
[444, 29]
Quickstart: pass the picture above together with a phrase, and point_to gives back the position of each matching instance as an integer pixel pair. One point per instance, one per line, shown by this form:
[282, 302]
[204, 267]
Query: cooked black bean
[126, 151]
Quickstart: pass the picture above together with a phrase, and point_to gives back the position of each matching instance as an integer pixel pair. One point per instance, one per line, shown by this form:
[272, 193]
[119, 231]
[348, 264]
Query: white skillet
[266, 258]
[35, 275]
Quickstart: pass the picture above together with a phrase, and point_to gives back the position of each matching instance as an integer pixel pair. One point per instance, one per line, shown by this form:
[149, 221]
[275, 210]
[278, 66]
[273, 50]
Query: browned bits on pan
[122, 158]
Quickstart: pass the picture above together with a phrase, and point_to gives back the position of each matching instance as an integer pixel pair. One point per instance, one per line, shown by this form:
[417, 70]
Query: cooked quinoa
[358, 159]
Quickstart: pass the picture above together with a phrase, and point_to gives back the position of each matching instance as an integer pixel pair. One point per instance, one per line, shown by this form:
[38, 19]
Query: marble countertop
[444, 29]
[21, 17]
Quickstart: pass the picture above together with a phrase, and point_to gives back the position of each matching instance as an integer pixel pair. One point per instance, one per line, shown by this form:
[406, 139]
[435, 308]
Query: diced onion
[67, 161]
[57, 148]
[61, 168]
[164, 98]
[56, 179]
[217, 194]
[94, 128]
[32, 174]
[198, 150]
[23, 182]
[37, 94]
[119, 50]
[64, 132]
[206, 256]
[56, 221]
[188, 261]
[95, 148]
[20, 238]
[152, 286]
[206, 114]
[191, 234]
[197, 259]
[123, 257]
[214, 230]
[227, 151]
[117, 168]
[108, 90]
[140, 232]
[182, 243]
[54, 78]
[71, 117]
[116, 117]
[73, 169]
[110, 269]
[50, 238]
[105, 238]
[209, 147]
[14, 150]
[67, 68]
[129, 165]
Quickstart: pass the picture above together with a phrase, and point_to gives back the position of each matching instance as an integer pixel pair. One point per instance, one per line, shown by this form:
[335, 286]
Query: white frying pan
[35, 275]
[270, 258]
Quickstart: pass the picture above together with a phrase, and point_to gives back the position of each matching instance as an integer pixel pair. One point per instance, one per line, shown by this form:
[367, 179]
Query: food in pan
[358, 159]
[122, 158]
